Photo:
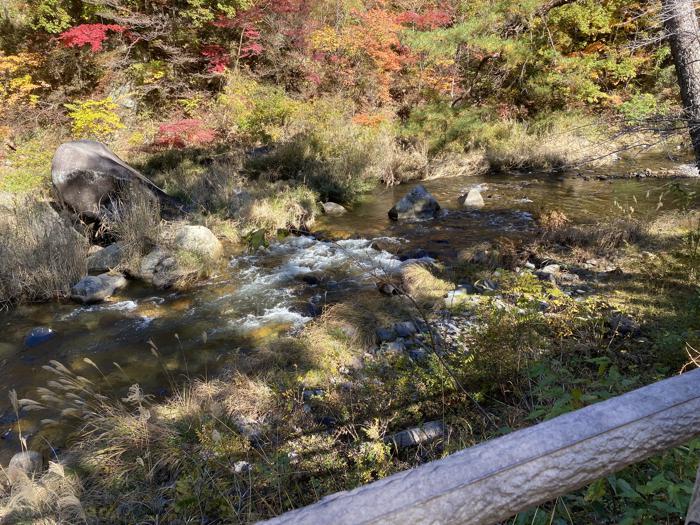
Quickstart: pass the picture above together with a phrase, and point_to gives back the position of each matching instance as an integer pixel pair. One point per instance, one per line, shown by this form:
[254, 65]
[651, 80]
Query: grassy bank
[306, 416]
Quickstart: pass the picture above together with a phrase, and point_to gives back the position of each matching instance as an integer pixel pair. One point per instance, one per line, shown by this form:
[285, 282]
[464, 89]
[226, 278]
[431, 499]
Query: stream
[277, 289]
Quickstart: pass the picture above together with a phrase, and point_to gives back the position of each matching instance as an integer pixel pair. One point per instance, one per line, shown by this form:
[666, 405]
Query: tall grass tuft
[42, 256]
[134, 219]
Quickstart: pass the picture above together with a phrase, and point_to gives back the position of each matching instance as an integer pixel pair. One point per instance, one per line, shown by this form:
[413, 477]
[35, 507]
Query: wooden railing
[501, 477]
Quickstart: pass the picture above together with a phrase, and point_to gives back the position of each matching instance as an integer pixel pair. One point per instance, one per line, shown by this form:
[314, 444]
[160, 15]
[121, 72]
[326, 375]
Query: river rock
[550, 269]
[86, 174]
[106, 259]
[95, 289]
[332, 208]
[624, 325]
[393, 347]
[420, 435]
[473, 199]
[485, 286]
[386, 244]
[405, 329]
[199, 240]
[161, 269]
[37, 336]
[385, 334]
[416, 204]
[28, 463]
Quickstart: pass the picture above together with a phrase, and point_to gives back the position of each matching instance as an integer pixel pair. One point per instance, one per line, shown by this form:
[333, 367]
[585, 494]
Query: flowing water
[277, 289]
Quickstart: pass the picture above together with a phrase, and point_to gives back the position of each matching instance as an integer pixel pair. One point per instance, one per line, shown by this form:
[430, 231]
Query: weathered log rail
[501, 477]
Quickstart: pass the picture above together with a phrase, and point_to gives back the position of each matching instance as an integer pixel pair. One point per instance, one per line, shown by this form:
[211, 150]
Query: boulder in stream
[416, 204]
[198, 240]
[473, 199]
[95, 289]
[333, 208]
[161, 268]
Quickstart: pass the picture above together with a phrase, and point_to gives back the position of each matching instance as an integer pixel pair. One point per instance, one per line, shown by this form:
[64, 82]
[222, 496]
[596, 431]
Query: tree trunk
[681, 23]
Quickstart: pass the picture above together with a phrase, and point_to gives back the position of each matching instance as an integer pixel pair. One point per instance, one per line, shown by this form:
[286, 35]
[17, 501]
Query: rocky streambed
[249, 298]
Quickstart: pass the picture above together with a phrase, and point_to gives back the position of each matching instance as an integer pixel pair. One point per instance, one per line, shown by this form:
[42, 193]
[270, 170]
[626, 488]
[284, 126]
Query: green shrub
[257, 112]
[94, 119]
[639, 107]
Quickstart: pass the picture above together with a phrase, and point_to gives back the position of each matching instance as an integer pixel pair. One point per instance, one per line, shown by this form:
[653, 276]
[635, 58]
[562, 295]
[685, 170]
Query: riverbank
[504, 335]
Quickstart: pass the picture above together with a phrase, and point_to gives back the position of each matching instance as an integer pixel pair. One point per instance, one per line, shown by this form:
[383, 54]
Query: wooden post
[493, 481]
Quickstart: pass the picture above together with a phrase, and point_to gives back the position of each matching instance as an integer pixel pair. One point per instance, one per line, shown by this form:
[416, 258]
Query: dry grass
[280, 207]
[51, 499]
[212, 186]
[134, 220]
[420, 283]
[42, 256]
[554, 143]
[552, 220]
[603, 238]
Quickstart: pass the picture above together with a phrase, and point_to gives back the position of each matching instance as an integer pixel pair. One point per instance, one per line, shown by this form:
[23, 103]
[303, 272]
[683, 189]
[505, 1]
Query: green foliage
[94, 119]
[639, 107]
[257, 111]
[51, 16]
[29, 166]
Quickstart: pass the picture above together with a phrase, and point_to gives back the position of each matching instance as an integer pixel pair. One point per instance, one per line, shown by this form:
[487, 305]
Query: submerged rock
[198, 240]
[333, 208]
[473, 199]
[416, 204]
[28, 463]
[37, 336]
[95, 289]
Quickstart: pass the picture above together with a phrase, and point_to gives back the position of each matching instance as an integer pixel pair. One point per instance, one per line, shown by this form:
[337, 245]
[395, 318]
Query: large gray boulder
[86, 174]
[95, 289]
[198, 240]
[416, 204]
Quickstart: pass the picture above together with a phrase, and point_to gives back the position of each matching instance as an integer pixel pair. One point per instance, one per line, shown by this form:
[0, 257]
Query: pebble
[240, 467]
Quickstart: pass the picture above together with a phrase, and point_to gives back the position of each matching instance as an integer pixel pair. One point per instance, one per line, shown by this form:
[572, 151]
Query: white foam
[278, 315]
